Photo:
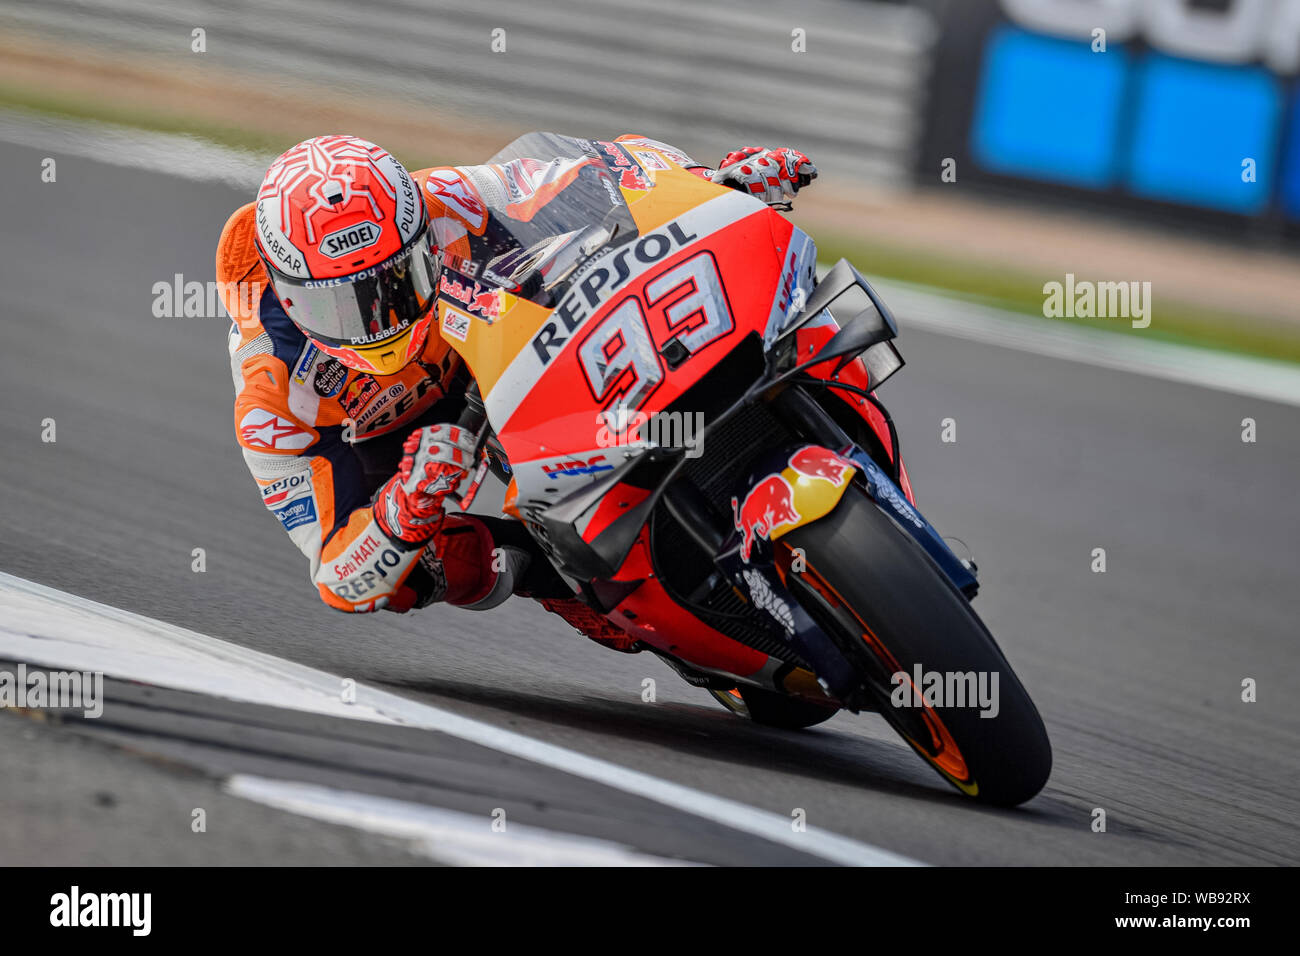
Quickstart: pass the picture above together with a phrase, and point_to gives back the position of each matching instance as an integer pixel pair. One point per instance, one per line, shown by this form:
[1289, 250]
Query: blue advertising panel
[1049, 109]
[1194, 127]
[1160, 110]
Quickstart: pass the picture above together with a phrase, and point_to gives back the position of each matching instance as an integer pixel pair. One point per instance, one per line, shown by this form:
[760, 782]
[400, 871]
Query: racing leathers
[324, 441]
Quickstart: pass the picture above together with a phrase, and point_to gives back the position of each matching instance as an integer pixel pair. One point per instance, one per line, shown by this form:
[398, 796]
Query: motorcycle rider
[345, 388]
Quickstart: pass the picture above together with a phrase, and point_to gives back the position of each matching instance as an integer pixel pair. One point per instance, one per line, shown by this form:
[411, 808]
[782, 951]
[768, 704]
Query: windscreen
[555, 205]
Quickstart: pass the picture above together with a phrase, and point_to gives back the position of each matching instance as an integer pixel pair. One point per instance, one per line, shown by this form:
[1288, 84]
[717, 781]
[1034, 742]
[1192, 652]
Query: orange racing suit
[320, 438]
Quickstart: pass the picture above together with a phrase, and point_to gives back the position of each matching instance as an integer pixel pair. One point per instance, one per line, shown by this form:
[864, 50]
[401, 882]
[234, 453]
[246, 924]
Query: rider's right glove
[409, 507]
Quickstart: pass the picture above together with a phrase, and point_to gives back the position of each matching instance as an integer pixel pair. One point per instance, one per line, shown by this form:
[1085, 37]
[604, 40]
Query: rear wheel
[772, 709]
[890, 609]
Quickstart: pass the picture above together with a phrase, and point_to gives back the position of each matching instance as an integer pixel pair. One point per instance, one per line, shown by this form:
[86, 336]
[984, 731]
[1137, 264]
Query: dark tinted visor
[368, 307]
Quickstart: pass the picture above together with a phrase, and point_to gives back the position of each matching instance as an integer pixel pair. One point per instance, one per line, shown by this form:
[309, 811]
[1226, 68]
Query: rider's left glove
[773, 175]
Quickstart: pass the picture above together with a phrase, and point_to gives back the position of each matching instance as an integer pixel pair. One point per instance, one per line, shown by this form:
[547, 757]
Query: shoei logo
[348, 240]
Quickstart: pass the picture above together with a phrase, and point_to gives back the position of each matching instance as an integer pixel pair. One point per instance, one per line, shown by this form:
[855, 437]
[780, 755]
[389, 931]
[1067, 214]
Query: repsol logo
[276, 492]
[600, 283]
[340, 243]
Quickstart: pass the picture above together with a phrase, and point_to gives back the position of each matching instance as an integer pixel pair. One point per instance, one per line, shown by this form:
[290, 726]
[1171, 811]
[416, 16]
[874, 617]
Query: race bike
[686, 418]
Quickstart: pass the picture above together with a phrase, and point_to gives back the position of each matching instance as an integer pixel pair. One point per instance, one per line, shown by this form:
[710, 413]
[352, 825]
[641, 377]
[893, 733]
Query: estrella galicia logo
[329, 379]
[296, 513]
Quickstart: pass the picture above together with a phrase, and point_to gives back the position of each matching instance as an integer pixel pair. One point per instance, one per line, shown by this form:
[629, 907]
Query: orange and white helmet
[342, 230]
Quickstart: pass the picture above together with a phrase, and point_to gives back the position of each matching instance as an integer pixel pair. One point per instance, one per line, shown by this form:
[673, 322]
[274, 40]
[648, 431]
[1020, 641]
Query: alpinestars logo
[459, 195]
[260, 429]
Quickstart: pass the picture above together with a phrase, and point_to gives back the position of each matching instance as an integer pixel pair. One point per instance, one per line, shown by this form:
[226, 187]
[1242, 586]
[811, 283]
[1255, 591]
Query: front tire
[889, 608]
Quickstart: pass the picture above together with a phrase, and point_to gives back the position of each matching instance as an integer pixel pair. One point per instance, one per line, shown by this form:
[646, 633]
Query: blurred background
[983, 147]
[977, 149]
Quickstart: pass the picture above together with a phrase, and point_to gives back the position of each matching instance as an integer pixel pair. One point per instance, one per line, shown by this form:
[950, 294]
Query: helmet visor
[366, 308]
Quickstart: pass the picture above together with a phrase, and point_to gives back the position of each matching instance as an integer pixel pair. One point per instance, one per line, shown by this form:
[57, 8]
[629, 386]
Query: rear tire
[888, 607]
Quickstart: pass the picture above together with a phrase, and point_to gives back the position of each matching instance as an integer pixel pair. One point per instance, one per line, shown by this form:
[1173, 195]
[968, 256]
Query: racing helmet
[343, 233]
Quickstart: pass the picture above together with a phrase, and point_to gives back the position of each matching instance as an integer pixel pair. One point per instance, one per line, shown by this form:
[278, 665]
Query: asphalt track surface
[1137, 671]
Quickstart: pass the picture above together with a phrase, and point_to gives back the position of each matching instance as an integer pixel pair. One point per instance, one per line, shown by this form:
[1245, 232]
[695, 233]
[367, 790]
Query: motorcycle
[686, 417]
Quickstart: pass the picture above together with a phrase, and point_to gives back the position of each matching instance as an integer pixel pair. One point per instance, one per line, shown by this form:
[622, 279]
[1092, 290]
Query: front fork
[806, 417]
[798, 486]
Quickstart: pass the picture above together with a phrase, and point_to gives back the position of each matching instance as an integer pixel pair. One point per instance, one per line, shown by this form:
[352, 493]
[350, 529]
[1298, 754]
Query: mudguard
[785, 491]
[890, 498]
[803, 483]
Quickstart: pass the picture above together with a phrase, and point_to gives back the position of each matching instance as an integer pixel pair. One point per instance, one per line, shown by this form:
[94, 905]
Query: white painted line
[45, 626]
[57, 629]
[190, 157]
[1222, 371]
[171, 154]
[448, 836]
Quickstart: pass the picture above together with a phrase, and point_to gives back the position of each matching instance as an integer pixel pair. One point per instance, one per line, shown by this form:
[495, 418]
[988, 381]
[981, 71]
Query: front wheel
[897, 618]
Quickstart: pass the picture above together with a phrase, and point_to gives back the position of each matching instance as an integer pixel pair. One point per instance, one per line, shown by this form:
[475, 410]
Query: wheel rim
[943, 754]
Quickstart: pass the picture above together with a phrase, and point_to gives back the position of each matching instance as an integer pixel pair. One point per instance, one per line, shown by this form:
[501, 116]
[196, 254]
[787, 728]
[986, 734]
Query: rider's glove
[773, 175]
[409, 507]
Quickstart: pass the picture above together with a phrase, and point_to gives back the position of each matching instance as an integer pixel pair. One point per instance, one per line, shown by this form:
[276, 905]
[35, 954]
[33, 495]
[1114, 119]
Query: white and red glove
[409, 507]
[773, 175]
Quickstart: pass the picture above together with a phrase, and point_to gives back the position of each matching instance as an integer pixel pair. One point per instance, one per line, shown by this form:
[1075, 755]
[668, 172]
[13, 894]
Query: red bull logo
[358, 392]
[633, 179]
[630, 173]
[480, 298]
[486, 303]
[813, 461]
[768, 506]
